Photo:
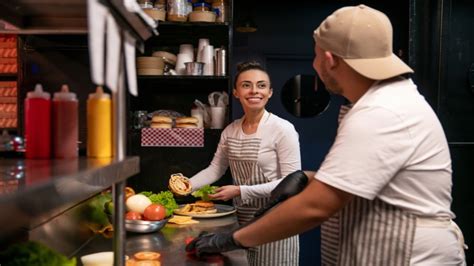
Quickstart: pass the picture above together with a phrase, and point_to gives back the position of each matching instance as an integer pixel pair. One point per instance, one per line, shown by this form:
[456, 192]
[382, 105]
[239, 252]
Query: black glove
[291, 185]
[213, 243]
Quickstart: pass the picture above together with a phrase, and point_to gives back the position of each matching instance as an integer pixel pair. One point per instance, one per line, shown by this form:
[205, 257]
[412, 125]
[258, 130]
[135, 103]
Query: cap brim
[379, 68]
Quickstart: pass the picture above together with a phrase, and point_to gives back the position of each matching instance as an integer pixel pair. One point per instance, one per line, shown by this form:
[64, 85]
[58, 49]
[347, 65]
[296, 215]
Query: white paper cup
[180, 60]
[187, 48]
[207, 57]
[202, 43]
[217, 117]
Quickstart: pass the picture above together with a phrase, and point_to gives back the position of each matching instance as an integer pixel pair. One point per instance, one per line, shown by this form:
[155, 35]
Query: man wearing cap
[383, 192]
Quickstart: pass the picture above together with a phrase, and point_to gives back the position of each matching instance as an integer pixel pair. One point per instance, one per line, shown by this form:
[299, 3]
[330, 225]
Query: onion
[137, 203]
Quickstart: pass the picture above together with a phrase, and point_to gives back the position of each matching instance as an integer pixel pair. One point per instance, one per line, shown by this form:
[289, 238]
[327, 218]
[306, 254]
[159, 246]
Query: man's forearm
[298, 214]
[310, 175]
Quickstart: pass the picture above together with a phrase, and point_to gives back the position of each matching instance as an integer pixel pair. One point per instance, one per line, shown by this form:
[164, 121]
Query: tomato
[133, 216]
[154, 212]
[188, 240]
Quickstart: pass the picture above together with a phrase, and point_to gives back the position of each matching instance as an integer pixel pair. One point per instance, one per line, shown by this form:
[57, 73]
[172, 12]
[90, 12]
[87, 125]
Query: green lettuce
[204, 192]
[33, 254]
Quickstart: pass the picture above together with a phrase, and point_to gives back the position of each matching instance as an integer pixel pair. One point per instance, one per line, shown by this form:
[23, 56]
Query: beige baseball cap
[362, 37]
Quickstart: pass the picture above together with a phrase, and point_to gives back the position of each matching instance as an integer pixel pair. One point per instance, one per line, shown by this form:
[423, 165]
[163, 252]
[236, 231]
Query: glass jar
[145, 3]
[220, 7]
[139, 119]
[160, 5]
[201, 7]
[177, 10]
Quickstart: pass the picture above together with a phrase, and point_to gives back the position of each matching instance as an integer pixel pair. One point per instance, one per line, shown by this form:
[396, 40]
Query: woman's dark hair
[248, 65]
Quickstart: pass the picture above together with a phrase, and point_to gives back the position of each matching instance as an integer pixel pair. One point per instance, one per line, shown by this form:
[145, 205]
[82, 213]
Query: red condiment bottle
[38, 124]
[65, 124]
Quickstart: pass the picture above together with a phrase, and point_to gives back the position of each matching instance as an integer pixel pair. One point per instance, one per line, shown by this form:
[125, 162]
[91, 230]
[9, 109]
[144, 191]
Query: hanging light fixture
[247, 24]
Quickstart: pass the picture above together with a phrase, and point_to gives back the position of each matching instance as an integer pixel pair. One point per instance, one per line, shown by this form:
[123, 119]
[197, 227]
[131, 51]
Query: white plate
[222, 210]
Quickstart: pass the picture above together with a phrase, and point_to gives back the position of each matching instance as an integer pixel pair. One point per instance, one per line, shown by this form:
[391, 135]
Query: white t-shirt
[391, 145]
[278, 155]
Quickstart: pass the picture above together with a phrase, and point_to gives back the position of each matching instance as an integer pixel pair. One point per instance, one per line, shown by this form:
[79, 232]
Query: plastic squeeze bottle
[99, 124]
[38, 124]
[65, 124]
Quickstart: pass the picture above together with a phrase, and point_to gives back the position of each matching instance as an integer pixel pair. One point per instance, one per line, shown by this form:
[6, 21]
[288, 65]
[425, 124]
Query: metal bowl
[141, 226]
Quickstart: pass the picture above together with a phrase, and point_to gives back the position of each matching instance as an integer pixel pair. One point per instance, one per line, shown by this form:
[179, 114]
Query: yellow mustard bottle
[99, 124]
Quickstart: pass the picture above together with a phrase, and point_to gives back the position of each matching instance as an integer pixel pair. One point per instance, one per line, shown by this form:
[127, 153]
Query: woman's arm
[215, 170]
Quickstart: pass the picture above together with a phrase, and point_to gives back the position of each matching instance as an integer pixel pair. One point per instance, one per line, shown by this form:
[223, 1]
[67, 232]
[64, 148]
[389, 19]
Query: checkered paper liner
[172, 137]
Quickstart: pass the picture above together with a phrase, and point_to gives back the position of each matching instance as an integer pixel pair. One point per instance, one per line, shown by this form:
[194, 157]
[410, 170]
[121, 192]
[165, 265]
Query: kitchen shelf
[63, 17]
[8, 75]
[181, 78]
[172, 34]
[33, 191]
[171, 25]
[188, 80]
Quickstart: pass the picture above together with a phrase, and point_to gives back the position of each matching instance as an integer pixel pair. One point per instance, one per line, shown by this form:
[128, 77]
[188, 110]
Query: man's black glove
[213, 243]
[291, 185]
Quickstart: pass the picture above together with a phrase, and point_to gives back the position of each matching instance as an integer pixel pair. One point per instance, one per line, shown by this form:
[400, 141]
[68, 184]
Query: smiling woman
[260, 148]
[252, 88]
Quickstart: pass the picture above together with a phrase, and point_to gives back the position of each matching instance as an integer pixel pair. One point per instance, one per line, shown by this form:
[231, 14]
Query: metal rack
[52, 17]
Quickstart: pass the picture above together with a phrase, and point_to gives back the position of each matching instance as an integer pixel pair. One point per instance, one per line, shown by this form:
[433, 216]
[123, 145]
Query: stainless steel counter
[169, 241]
[32, 191]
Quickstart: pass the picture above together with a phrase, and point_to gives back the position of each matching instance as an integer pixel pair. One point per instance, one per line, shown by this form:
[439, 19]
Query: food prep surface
[170, 243]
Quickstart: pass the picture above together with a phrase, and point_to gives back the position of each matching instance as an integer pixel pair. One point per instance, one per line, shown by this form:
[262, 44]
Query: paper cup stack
[186, 54]
[150, 65]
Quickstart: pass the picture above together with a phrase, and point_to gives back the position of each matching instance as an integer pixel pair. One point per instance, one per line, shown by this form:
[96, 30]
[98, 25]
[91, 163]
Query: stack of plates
[150, 65]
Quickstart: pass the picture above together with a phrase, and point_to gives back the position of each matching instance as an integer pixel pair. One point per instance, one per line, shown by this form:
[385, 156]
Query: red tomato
[133, 216]
[188, 240]
[154, 212]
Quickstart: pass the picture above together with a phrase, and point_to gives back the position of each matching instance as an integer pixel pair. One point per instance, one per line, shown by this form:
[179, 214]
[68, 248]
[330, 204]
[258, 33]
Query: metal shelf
[182, 77]
[183, 83]
[63, 17]
[33, 191]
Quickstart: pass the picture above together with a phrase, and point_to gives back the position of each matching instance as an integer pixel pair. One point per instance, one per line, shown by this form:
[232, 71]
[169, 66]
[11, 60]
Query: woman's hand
[225, 193]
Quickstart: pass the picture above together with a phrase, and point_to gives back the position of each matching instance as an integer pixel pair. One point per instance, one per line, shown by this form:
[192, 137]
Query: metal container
[194, 68]
[220, 62]
[141, 226]
[139, 119]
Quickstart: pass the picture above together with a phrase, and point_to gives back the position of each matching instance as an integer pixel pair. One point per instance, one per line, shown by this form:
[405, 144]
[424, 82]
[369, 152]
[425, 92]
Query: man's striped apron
[368, 232]
[243, 155]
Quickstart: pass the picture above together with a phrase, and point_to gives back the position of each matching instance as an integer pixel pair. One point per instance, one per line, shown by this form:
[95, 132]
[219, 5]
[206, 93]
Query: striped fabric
[367, 232]
[330, 228]
[330, 240]
[343, 111]
[371, 233]
[243, 155]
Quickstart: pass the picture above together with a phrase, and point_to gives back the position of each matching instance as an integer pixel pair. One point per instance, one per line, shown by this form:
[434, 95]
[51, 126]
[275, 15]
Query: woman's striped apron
[368, 232]
[243, 155]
